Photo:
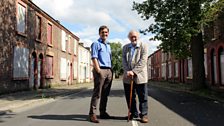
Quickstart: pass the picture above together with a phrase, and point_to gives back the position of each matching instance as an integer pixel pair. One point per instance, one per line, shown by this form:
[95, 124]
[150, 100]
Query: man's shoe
[105, 115]
[93, 118]
[132, 116]
[144, 119]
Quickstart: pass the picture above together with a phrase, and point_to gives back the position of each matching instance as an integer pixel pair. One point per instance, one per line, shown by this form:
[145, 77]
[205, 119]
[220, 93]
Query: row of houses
[37, 51]
[165, 67]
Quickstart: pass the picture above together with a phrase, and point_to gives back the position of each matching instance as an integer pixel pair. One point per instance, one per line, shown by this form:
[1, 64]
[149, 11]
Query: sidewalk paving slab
[13, 101]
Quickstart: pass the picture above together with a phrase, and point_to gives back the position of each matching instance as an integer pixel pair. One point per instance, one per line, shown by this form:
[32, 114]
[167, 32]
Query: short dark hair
[103, 27]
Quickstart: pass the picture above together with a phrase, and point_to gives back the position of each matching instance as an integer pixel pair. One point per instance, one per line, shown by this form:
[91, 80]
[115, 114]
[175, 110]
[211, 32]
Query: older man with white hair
[134, 61]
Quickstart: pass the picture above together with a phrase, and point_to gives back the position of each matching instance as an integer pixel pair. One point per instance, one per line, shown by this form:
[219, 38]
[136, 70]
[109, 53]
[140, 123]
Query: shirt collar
[137, 46]
[101, 41]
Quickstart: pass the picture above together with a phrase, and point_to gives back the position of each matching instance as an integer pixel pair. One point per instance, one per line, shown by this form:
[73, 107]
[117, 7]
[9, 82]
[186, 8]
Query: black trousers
[142, 91]
[101, 90]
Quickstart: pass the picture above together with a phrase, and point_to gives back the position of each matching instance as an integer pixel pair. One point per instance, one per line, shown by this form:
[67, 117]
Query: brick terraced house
[36, 50]
[164, 67]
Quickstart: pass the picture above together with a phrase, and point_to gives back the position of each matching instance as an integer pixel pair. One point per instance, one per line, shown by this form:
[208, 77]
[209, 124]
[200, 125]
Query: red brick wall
[9, 39]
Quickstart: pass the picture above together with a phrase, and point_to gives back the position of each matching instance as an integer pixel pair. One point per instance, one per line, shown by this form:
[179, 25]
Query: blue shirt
[133, 49]
[102, 52]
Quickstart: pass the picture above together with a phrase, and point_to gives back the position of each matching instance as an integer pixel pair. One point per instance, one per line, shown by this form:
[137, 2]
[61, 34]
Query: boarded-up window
[205, 64]
[20, 63]
[21, 18]
[63, 69]
[176, 69]
[87, 64]
[75, 46]
[214, 67]
[49, 68]
[68, 69]
[170, 70]
[49, 34]
[75, 70]
[69, 43]
[38, 27]
[189, 71]
[164, 70]
[63, 41]
[222, 65]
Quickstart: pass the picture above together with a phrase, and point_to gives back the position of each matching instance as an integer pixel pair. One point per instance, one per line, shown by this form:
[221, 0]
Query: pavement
[207, 93]
[14, 101]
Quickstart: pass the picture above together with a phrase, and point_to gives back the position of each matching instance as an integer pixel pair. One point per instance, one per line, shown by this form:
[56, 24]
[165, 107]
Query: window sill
[63, 50]
[38, 40]
[20, 78]
[50, 45]
[21, 34]
[49, 77]
[189, 78]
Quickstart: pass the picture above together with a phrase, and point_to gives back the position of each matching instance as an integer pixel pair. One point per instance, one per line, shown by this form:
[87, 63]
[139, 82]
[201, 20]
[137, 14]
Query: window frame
[51, 35]
[63, 40]
[189, 68]
[40, 28]
[19, 2]
[63, 68]
[13, 67]
[75, 46]
[52, 67]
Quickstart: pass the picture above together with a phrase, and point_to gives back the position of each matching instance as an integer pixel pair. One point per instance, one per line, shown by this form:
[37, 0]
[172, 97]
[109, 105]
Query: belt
[105, 68]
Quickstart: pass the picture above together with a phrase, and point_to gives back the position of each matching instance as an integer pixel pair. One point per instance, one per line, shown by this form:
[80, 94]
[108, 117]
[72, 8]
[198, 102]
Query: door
[32, 67]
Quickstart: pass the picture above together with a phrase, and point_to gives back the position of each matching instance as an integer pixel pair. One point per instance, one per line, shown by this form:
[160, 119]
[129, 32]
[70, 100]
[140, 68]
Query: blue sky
[83, 18]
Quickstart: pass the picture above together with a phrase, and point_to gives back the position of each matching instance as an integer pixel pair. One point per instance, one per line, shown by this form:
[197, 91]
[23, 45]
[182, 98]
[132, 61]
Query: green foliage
[211, 10]
[116, 49]
[177, 21]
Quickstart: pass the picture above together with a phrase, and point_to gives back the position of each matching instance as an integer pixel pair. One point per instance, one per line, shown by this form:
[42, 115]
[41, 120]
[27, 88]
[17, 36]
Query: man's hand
[98, 71]
[130, 74]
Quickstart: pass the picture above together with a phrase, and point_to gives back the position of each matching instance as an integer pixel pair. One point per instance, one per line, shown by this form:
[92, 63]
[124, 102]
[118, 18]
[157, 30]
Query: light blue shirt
[133, 49]
[102, 52]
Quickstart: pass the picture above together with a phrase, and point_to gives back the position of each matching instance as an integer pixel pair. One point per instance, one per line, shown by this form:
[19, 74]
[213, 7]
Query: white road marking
[134, 123]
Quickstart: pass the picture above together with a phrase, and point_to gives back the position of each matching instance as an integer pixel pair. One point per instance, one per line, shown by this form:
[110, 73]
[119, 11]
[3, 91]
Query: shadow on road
[198, 110]
[76, 117]
[6, 115]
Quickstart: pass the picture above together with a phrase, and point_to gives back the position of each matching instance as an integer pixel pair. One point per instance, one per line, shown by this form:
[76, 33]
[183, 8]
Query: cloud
[83, 18]
[117, 14]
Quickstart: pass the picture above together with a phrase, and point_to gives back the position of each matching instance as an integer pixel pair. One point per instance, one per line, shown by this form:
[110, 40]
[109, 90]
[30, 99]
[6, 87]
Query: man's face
[133, 37]
[104, 34]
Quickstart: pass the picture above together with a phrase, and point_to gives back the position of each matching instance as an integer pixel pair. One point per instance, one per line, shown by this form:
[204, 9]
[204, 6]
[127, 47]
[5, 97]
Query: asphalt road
[166, 108]
[197, 110]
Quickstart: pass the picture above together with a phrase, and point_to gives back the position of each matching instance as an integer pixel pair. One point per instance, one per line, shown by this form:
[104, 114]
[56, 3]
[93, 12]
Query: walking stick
[130, 98]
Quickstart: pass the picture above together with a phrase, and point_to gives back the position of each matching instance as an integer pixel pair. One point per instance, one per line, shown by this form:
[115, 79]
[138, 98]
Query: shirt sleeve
[94, 52]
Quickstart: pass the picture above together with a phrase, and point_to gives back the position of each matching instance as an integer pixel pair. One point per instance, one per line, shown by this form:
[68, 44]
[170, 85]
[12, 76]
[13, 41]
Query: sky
[84, 17]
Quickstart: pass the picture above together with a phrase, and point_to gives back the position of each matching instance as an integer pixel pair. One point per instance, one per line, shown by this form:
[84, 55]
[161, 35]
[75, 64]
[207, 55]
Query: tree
[116, 49]
[178, 25]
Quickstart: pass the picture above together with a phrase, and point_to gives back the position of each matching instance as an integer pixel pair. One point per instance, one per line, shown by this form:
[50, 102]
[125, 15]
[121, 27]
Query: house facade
[214, 38]
[164, 66]
[37, 51]
[84, 64]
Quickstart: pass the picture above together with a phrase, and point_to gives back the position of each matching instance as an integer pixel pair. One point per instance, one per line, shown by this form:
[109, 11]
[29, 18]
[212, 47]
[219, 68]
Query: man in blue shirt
[102, 73]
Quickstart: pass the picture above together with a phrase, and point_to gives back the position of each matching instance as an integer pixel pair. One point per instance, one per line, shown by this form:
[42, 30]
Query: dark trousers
[142, 91]
[101, 90]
